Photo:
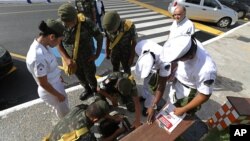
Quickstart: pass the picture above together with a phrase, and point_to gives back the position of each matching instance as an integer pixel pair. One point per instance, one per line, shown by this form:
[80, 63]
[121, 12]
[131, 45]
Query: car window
[211, 3]
[194, 1]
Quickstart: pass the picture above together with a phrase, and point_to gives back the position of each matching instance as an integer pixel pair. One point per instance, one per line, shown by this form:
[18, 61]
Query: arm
[112, 99]
[94, 32]
[199, 99]
[137, 121]
[107, 50]
[65, 56]
[132, 52]
[158, 95]
[43, 82]
[99, 40]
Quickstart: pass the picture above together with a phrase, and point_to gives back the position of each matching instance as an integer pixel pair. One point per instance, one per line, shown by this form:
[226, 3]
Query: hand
[92, 58]
[71, 64]
[179, 111]
[151, 113]
[61, 98]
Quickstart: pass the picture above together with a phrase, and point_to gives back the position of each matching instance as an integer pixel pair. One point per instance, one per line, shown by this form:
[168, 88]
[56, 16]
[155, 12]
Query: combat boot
[86, 93]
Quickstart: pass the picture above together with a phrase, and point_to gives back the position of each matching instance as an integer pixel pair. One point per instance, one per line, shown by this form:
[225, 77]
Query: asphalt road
[18, 29]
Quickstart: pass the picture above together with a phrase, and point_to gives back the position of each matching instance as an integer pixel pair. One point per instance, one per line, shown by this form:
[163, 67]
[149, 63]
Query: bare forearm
[160, 89]
[197, 101]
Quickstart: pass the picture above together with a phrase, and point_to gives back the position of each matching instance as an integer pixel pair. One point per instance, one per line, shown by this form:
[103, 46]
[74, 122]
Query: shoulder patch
[209, 82]
[167, 67]
[40, 67]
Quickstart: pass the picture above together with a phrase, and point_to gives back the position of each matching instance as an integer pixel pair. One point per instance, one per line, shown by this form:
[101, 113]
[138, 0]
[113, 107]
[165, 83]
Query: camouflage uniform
[122, 51]
[77, 119]
[120, 85]
[74, 120]
[85, 70]
[87, 7]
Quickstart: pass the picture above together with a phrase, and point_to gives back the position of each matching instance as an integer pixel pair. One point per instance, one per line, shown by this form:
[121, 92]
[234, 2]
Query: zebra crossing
[149, 24]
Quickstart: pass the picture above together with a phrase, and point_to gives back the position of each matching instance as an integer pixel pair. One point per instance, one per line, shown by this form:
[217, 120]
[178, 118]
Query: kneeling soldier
[119, 85]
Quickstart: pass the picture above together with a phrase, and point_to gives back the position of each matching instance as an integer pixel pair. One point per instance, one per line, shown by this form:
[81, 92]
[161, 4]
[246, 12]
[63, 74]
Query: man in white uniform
[149, 67]
[181, 24]
[194, 80]
[43, 66]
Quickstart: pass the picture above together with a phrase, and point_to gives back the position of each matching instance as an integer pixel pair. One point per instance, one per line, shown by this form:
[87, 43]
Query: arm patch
[209, 82]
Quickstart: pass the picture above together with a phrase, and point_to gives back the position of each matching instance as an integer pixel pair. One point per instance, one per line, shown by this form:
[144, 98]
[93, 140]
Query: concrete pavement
[33, 120]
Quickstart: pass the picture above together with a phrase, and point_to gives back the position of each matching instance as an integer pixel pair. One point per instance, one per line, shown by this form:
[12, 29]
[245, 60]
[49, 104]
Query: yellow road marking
[166, 13]
[24, 58]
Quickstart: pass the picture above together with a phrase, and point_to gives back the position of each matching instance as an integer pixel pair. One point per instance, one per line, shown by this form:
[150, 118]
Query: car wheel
[224, 22]
[241, 14]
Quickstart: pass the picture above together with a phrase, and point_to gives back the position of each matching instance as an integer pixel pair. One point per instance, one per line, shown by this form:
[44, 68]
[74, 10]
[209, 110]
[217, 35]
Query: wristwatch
[154, 106]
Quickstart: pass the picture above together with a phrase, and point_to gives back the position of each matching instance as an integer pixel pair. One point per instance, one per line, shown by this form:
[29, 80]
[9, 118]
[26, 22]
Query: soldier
[87, 7]
[121, 40]
[85, 56]
[121, 87]
[78, 122]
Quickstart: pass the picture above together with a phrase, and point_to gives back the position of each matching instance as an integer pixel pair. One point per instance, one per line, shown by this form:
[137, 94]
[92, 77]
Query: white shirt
[198, 73]
[41, 62]
[158, 62]
[184, 27]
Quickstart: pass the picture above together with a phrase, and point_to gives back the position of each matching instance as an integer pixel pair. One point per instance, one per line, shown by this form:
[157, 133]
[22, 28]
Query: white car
[207, 11]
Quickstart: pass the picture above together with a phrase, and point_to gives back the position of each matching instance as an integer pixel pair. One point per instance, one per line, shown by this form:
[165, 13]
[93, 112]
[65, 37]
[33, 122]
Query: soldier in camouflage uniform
[87, 7]
[124, 51]
[88, 117]
[87, 55]
[121, 87]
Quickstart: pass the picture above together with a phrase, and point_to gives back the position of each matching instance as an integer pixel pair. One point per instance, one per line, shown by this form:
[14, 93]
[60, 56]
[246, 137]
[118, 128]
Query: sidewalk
[33, 120]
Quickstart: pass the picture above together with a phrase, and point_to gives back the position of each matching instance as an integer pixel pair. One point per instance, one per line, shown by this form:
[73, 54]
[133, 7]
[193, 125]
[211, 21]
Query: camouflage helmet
[67, 12]
[111, 21]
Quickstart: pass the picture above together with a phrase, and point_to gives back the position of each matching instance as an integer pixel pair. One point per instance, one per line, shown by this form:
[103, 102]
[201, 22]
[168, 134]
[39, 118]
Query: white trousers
[60, 108]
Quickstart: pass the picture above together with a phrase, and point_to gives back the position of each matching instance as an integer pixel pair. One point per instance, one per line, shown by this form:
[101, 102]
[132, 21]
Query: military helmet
[67, 12]
[111, 21]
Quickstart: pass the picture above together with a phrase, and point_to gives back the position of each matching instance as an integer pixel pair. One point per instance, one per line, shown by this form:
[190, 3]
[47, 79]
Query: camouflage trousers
[86, 74]
[118, 58]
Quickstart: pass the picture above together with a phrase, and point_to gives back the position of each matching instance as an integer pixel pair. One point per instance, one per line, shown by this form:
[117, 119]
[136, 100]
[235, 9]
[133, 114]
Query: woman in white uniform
[43, 66]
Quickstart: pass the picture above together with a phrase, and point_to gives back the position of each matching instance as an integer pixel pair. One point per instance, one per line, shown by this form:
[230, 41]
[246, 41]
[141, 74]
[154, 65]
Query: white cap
[144, 65]
[144, 45]
[176, 48]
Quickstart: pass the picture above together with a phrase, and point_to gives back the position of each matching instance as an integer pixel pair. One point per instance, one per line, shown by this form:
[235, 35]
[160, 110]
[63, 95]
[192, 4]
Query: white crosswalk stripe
[149, 24]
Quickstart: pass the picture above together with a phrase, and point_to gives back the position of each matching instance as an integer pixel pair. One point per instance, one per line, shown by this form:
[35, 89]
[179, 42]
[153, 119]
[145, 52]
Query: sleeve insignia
[209, 82]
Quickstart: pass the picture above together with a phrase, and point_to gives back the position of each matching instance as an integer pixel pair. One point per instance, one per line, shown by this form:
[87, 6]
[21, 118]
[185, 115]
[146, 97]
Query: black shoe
[144, 112]
[86, 93]
[84, 96]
